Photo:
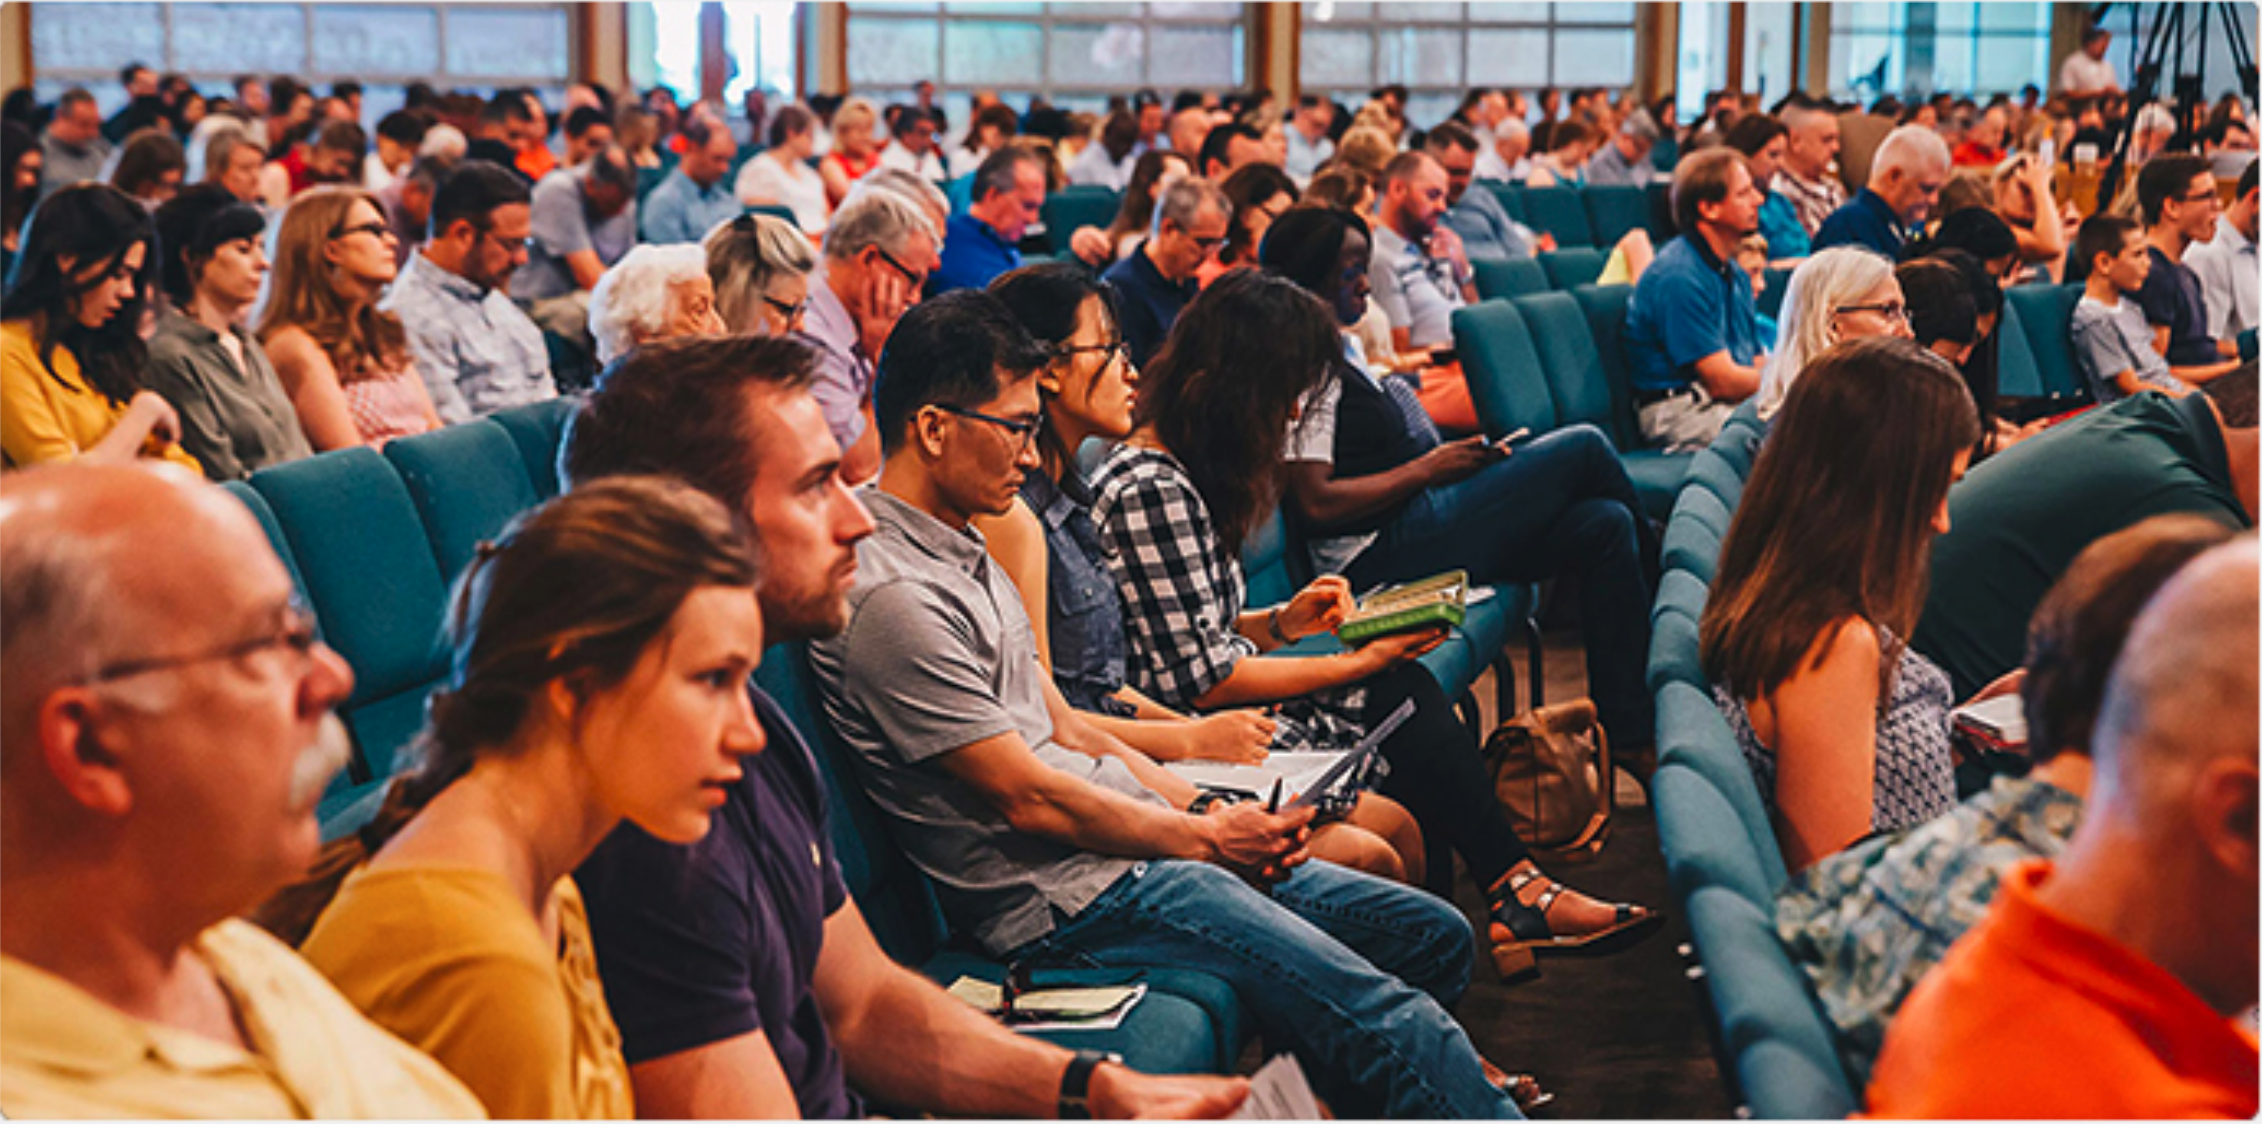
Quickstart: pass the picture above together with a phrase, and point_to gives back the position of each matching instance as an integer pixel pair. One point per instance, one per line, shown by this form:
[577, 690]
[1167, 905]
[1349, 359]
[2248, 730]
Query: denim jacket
[1084, 610]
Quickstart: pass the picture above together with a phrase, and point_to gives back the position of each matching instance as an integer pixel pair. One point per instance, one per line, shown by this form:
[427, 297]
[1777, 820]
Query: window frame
[1048, 18]
[1378, 23]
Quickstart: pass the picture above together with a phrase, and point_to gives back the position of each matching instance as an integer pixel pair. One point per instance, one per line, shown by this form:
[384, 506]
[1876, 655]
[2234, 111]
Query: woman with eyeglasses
[345, 362]
[1821, 579]
[1260, 193]
[1051, 549]
[72, 362]
[759, 266]
[1838, 294]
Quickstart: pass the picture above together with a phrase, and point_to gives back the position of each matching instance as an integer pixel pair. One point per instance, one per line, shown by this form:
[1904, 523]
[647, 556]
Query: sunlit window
[1439, 50]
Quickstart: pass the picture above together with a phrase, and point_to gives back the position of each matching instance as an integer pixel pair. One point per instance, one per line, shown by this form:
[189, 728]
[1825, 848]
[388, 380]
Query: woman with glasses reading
[1051, 549]
[344, 361]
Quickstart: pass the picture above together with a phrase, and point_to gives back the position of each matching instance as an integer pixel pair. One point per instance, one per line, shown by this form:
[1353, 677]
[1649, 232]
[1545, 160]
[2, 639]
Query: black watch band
[1076, 1083]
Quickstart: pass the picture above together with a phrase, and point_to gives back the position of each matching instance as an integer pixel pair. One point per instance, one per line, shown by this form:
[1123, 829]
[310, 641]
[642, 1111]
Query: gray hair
[632, 296]
[1828, 280]
[746, 256]
[1511, 127]
[1640, 126]
[211, 158]
[1909, 148]
[1184, 199]
[444, 141]
[880, 218]
[908, 185]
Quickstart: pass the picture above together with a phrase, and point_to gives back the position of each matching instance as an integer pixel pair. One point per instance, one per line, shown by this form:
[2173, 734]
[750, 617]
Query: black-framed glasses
[1207, 244]
[918, 280]
[1106, 351]
[296, 632]
[377, 229]
[1023, 428]
[1890, 310]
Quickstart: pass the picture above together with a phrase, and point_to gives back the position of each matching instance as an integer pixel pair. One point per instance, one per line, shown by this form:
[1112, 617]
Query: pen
[1273, 805]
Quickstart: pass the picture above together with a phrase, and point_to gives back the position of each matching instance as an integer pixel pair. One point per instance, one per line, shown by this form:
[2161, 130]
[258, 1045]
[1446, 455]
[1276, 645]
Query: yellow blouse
[448, 959]
[55, 418]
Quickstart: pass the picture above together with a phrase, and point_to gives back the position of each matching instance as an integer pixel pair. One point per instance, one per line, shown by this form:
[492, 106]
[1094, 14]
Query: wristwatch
[1076, 1083]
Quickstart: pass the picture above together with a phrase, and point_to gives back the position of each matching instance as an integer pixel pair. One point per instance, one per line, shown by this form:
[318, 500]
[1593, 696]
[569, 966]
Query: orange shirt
[2033, 1016]
[537, 161]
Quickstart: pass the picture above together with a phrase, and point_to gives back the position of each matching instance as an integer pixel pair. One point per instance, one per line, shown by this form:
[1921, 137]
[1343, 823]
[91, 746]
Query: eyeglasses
[789, 312]
[918, 280]
[2200, 197]
[1891, 310]
[375, 229]
[296, 632]
[1023, 428]
[1106, 351]
[1207, 244]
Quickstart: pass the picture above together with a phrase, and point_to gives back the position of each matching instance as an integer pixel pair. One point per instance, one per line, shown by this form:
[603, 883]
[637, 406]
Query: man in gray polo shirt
[583, 219]
[1049, 841]
[1419, 269]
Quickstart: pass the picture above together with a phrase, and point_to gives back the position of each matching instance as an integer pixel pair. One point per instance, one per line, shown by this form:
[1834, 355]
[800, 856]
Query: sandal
[1519, 930]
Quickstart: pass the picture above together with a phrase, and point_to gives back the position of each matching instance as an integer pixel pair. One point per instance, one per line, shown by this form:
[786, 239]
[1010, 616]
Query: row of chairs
[374, 541]
[1777, 1052]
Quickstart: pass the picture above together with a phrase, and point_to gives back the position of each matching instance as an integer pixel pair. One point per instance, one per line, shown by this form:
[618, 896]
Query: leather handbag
[1552, 772]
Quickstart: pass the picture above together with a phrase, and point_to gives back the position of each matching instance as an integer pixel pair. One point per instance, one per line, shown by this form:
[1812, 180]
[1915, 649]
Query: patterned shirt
[1183, 593]
[1812, 201]
[1916, 776]
[477, 352]
[1868, 922]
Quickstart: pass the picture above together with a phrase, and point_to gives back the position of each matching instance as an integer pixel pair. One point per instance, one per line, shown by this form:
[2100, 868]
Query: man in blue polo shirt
[693, 199]
[1692, 329]
[979, 243]
[1157, 280]
[1904, 182]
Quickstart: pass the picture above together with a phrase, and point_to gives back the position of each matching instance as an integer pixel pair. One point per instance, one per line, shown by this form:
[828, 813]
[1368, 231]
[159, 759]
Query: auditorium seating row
[374, 541]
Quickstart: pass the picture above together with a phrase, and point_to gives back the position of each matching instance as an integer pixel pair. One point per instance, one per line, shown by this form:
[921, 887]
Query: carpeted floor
[1613, 1037]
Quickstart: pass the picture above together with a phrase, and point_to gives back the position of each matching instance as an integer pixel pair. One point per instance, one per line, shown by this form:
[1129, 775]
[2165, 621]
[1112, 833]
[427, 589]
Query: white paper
[2002, 717]
[1278, 1091]
[1295, 770]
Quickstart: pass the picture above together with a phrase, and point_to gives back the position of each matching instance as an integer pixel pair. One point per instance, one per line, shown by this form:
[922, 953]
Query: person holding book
[1383, 498]
[1049, 547]
[1174, 503]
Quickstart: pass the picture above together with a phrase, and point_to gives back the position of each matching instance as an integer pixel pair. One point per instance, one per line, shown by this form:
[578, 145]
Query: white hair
[1909, 148]
[632, 296]
[1832, 278]
[1511, 127]
[905, 184]
[880, 218]
[445, 142]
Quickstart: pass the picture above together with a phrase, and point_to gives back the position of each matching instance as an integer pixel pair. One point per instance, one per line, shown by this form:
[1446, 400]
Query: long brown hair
[1220, 393]
[1835, 523]
[360, 340]
[576, 589]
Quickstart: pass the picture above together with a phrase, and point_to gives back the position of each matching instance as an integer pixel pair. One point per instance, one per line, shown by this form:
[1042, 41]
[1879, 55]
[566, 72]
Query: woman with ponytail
[601, 651]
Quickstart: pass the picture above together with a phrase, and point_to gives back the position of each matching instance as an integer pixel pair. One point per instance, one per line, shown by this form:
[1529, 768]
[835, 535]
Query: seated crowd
[840, 412]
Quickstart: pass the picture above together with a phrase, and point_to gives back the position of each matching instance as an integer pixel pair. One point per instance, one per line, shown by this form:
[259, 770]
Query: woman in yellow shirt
[71, 355]
[601, 656]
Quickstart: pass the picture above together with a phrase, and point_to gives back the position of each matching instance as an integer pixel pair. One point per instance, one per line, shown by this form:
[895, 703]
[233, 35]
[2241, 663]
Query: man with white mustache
[165, 734]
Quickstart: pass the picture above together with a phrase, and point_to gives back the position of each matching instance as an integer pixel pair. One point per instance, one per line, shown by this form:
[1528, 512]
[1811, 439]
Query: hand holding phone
[1508, 442]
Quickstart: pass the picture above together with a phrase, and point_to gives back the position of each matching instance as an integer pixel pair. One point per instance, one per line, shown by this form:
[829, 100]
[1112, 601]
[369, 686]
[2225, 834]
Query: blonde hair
[854, 110]
[1832, 277]
[1367, 149]
[747, 255]
[360, 340]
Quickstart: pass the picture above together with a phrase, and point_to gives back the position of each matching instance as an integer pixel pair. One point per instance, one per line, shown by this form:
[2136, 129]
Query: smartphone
[1505, 443]
[1440, 356]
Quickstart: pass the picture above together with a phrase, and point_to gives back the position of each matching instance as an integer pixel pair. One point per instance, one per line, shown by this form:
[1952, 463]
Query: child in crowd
[2112, 342]
[1751, 257]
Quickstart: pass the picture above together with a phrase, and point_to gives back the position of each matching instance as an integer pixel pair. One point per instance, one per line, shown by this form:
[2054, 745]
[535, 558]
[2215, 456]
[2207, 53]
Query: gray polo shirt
[938, 654]
[235, 417]
[1416, 291]
[562, 225]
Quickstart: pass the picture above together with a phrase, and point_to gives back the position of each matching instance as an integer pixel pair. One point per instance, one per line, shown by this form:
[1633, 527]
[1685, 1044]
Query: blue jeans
[1348, 970]
[1558, 505]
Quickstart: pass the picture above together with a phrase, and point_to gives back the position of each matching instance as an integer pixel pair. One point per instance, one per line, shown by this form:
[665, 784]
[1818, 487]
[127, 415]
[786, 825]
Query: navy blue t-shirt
[1149, 303]
[1864, 220]
[2172, 296]
[701, 943]
[973, 255]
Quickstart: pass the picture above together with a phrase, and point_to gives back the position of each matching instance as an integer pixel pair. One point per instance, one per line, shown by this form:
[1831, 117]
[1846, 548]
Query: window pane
[1862, 63]
[1421, 56]
[1500, 11]
[1594, 58]
[1113, 54]
[522, 42]
[986, 53]
[1087, 11]
[1862, 17]
[239, 37]
[96, 36]
[1951, 65]
[991, 8]
[663, 47]
[1424, 13]
[893, 51]
[2031, 18]
[1325, 12]
[389, 39]
[1955, 17]
[1194, 56]
[758, 37]
[2006, 64]
[1768, 31]
[1190, 11]
[1595, 13]
[1507, 58]
[1337, 58]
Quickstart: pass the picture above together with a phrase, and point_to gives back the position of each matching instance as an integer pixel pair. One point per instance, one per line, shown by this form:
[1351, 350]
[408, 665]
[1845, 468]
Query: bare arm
[738, 1078]
[586, 268]
[312, 382]
[1261, 680]
[1825, 736]
[861, 460]
[1725, 380]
